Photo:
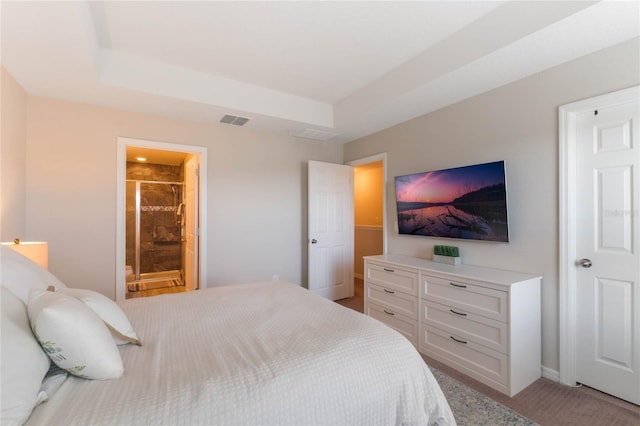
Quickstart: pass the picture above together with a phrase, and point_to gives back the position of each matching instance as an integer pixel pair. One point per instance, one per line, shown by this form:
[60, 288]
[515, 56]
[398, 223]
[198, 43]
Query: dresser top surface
[472, 272]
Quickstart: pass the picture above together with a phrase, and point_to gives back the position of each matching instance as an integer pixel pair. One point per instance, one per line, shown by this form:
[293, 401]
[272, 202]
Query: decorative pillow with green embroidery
[73, 336]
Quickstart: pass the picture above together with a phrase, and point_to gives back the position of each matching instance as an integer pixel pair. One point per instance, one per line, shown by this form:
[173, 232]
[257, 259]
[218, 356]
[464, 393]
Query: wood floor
[546, 402]
[155, 291]
[155, 283]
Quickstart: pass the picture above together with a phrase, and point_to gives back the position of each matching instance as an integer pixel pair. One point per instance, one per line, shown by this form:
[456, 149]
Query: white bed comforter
[258, 354]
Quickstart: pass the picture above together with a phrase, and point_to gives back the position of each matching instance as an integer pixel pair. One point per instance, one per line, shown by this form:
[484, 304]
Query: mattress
[267, 353]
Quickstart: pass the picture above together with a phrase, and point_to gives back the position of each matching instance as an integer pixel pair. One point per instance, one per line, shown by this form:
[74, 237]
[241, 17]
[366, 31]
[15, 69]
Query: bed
[268, 353]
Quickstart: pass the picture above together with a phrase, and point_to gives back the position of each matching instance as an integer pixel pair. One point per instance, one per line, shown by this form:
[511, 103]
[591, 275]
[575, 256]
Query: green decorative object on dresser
[446, 254]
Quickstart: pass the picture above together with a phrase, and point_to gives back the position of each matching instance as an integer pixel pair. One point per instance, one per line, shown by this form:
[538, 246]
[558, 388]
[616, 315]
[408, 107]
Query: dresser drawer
[392, 300]
[479, 361]
[403, 324]
[487, 332]
[487, 302]
[392, 278]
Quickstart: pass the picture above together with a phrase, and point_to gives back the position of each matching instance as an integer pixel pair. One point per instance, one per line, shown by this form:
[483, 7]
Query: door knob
[585, 263]
[314, 241]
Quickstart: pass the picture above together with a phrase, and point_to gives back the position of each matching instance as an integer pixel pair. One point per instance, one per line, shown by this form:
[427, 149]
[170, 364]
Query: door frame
[372, 159]
[568, 115]
[121, 191]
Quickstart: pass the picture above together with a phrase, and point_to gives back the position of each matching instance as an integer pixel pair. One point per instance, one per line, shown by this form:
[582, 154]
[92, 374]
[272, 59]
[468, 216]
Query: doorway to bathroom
[155, 228]
[161, 200]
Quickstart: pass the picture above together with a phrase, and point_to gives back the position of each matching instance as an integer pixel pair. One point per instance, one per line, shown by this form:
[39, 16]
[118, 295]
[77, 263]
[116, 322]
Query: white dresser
[392, 296]
[484, 322]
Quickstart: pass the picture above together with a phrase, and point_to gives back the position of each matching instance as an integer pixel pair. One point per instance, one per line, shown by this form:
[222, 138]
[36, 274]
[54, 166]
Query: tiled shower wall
[160, 248]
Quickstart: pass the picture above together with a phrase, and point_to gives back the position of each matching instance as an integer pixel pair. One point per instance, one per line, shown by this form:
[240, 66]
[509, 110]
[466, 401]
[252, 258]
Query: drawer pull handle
[458, 285]
[388, 313]
[388, 270]
[458, 313]
[389, 291]
[456, 340]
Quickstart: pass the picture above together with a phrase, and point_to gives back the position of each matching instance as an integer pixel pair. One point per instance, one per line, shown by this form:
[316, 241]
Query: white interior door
[330, 225]
[607, 248]
[191, 223]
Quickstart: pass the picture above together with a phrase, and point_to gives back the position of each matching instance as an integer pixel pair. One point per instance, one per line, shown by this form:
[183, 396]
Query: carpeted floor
[545, 402]
[357, 301]
[549, 403]
[471, 408]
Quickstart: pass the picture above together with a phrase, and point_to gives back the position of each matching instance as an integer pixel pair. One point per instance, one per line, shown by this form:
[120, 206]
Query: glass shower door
[131, 216]
[159, 229]
[153, 235]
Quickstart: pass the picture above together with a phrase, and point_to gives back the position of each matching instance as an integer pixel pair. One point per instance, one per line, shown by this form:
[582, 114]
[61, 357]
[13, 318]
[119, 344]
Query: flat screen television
[467, 202]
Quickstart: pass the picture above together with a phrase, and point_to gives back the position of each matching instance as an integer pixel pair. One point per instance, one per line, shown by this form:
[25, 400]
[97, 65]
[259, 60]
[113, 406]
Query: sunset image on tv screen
[465, 202]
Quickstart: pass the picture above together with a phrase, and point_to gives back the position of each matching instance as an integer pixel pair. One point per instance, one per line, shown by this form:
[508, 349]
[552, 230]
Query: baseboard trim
[550, 374]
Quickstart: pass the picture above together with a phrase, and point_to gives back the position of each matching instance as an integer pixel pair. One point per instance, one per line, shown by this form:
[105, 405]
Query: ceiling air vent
[233, 119]
[318, 135]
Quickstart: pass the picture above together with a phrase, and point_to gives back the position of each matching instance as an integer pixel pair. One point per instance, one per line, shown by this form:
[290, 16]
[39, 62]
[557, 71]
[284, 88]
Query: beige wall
[517, 123]
[256, 213]
[368, 182]
[13, 122]
[368, 241]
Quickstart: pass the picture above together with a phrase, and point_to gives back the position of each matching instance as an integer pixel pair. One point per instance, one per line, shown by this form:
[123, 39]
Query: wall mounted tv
[464, 202]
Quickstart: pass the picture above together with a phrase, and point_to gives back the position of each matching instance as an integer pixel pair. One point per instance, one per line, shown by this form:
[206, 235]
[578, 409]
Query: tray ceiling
[347, 69]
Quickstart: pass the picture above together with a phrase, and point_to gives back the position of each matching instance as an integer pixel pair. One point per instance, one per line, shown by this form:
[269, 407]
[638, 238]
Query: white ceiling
[334, 69]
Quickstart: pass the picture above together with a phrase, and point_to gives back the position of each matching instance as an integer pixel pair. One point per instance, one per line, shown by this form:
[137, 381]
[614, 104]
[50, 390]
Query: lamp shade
[36, 251]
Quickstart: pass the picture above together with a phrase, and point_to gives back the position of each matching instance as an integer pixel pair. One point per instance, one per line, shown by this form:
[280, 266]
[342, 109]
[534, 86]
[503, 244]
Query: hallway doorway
[370, 237]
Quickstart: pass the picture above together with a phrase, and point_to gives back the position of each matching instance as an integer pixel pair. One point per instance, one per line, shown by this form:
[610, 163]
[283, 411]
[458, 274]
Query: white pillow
[24, 364]
[19, 274]
[74, 337]
[112, 315]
